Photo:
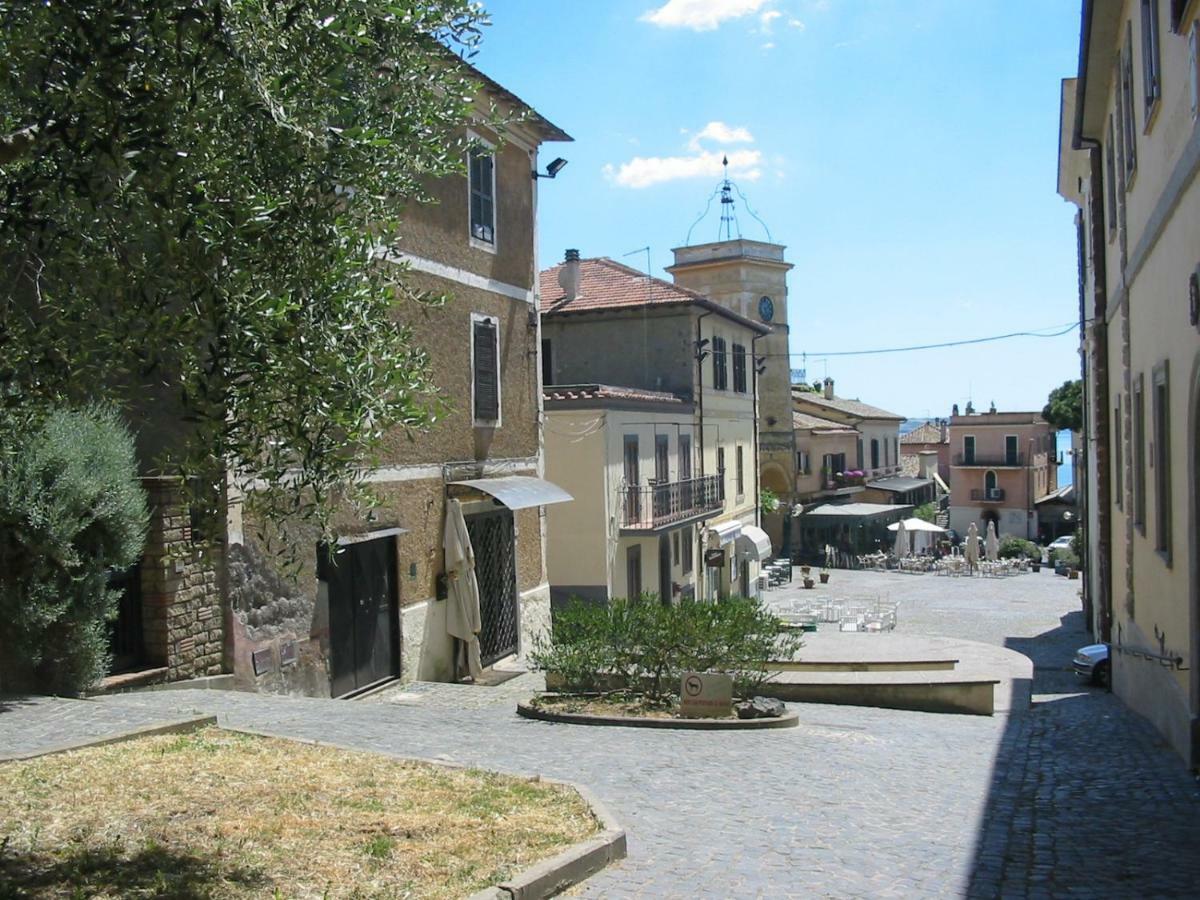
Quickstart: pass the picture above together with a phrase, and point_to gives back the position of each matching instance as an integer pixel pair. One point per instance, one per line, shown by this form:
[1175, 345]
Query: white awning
[755, 542]
[519, 491]
[724, 532]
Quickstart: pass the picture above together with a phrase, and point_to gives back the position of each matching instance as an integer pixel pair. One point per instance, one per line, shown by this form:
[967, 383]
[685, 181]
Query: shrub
[926, 511]
[71, 508]
[645, 646]
[1015, 547]
[1067, 558]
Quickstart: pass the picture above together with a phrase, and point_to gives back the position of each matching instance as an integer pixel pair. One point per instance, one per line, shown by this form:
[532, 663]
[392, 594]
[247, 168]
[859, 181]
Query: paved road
[1076, 797]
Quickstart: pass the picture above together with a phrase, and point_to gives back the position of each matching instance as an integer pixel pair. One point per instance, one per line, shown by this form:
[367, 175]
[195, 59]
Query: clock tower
[750, 278]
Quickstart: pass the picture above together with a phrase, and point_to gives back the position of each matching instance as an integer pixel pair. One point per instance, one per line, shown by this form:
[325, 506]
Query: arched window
[989, 485]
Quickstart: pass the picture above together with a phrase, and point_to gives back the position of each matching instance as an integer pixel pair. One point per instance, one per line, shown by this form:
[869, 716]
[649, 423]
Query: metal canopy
[519, 491]
[725, 532]
[755, 542]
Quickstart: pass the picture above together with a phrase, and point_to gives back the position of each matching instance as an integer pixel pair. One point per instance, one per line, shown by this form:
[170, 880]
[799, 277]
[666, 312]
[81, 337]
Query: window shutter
[487, 373]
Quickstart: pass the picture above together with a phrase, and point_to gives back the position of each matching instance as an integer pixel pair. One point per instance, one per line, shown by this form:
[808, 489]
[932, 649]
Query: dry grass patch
[219, 814]
[614, 704]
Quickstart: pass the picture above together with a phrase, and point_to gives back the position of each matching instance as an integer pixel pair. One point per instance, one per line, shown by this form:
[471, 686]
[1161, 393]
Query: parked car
[1092, 662]
[1060, 543]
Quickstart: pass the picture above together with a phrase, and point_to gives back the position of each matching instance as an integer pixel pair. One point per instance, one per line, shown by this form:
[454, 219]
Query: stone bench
[941, 691]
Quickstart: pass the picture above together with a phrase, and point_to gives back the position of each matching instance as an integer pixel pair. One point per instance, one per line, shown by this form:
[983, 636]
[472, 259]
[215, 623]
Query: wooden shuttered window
[485, 345]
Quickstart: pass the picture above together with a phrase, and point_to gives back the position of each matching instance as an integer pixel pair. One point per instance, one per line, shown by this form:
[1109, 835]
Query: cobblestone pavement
[1077, 797]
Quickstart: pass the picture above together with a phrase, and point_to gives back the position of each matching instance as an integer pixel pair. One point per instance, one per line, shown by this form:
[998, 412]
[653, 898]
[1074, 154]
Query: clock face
[766, 309]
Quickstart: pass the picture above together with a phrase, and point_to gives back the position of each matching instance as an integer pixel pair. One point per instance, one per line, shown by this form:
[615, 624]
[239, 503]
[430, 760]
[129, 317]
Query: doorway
[664, 569]
[363, 619]
[493, 538]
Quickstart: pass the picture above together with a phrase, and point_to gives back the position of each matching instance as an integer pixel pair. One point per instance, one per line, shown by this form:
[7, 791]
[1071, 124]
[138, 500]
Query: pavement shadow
[110, 871]
[12, 704]
[1085, 796]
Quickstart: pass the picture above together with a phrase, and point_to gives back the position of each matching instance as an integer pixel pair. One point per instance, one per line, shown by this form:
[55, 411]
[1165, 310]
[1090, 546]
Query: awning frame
[516, 491]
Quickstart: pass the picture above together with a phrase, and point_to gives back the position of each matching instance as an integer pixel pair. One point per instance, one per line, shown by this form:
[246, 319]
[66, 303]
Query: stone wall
[182, 613]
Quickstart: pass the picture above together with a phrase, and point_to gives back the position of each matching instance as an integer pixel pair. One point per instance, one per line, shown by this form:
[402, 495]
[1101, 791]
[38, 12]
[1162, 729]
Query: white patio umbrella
[462, 607]
[922, 534]
[901, 547]
[992, 543]
[971, 550]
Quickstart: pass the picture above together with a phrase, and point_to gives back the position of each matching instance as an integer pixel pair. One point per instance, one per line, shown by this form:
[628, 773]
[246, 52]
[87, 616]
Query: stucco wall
[652, 350]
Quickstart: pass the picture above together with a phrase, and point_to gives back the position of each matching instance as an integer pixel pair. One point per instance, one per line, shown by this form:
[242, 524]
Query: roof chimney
[927, 463]
[828, 388]
[944, 429]
[568, 275]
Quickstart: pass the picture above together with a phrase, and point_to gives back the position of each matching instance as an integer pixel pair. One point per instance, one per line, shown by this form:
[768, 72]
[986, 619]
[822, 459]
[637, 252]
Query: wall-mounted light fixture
[760, 364]
[701, 349]
[552, 170]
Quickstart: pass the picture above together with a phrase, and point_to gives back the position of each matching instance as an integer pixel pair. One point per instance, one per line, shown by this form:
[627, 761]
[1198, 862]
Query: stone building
[1129, 152]
[650, 418]
[750, 278]
[334, 624]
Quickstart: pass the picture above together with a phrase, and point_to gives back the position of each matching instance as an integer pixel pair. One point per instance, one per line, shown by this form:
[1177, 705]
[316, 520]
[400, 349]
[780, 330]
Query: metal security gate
[363, 620]
[493, 540]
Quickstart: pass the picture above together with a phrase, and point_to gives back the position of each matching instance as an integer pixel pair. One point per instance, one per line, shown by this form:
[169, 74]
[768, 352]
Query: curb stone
[169, 726]
[789, 719]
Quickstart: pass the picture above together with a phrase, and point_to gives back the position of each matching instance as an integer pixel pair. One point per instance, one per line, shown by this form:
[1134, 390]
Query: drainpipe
[1096, 422]
[757, 487]
[701, 569]
[700, 385]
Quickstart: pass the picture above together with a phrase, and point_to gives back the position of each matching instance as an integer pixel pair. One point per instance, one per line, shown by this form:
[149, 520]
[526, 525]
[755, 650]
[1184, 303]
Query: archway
[989, 515]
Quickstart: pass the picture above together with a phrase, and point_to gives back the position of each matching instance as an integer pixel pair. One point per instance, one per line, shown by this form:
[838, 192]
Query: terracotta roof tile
[852, 407]
[566, 393]
[804, 420]
[605, 284]
[929, 433]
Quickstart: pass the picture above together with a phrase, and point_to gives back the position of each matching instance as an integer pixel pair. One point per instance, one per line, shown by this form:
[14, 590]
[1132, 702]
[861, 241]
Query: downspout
[700, 385]
[757, 486]
[1096, 423]
[701, 568]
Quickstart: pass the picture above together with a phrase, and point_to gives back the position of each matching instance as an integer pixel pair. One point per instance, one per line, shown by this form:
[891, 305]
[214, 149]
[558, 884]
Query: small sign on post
[704, 695]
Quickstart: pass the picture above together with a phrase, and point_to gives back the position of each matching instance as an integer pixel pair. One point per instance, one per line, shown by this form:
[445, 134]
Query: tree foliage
[193, 196]
[1064, 408]
[926, 512]
[71, 508]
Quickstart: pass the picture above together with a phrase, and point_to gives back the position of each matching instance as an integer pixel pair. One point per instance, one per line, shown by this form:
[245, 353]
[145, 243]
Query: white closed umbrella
[971, 551]
[992, 543]
[462, 589]
[901, 547]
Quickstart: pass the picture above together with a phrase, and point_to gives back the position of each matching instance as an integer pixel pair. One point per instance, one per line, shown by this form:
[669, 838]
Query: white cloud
[767, 18]
[796, 23]
[645, 171]
[719, 133]
[700, 15]
[769, 45]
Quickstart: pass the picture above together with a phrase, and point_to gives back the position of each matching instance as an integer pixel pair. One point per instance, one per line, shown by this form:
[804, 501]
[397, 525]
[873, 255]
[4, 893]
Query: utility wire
[983, 340]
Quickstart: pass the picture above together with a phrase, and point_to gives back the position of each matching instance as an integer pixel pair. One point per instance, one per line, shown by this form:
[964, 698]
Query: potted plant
[805, 570]
[808, 583]
[824, 575]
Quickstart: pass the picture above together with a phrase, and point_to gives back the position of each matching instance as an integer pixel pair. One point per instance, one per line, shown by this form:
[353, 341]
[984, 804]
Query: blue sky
[904, 151]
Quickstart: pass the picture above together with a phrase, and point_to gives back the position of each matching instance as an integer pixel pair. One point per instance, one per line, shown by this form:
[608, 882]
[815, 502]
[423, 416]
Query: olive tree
[194, 195]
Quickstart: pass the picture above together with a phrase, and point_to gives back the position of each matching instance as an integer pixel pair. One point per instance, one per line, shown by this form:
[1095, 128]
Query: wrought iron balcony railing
[648, 506]
[991, 462]
[993, 495]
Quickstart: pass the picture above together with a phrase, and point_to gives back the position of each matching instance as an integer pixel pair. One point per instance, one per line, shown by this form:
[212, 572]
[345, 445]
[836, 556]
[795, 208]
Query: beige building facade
[750, 278]
[334, 621]
[1129, 155]
[1001, 463]
[664, 346]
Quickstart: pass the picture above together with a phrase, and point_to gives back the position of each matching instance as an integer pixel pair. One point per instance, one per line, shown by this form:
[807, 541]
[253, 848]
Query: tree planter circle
[789, 719]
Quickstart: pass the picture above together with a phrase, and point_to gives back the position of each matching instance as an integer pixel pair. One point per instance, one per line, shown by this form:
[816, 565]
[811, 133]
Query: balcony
[1005, 460]
[832, 481]
[992, 495]
[649, 507]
